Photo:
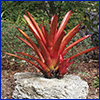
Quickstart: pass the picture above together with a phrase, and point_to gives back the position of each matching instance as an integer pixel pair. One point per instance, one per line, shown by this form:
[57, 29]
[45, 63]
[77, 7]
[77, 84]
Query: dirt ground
[87, 71]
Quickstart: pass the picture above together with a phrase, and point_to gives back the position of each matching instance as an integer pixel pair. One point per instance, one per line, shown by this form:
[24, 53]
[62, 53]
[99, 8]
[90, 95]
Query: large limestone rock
[34, 86]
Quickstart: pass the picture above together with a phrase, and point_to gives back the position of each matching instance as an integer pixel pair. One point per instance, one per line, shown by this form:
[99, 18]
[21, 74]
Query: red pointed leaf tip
[88, 35]
[85, 51]
[81, 22]
[63, 24]
[52, 19]
[71, 11]
[24, 16]
[17, 28]
[26, 11]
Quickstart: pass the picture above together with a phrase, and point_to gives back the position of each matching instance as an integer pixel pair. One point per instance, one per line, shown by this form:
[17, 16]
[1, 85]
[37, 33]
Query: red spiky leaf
[63, 24]
[85, 51]
[32, 43]
[31, 25]
[42, 28]
[48, 41]
[36, 26]
[67, 38]
[73, 44]
[36, 37]
[25, 60]
[53, 28]
[44, 67]
[25, 42]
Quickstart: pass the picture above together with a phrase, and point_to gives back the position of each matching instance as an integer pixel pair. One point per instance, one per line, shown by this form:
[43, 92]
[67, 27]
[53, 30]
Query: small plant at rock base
[51, 46]
[96, 82]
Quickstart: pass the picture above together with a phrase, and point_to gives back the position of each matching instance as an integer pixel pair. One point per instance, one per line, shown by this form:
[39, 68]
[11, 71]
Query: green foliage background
[44, 10]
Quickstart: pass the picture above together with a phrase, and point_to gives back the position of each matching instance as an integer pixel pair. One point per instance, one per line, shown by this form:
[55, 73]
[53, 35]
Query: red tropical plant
[51, 47]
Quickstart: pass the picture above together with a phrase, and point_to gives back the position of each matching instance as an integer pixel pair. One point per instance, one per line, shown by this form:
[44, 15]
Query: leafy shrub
[91, 27]
[96, 82]
[9, 42]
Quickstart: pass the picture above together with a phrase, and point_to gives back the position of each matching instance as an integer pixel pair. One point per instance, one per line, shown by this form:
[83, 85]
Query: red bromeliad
[51, 47]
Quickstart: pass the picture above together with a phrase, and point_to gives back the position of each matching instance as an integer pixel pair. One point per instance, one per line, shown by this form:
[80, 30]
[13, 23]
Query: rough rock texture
[34, 86]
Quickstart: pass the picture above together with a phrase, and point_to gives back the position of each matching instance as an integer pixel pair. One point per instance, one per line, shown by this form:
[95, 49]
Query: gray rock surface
[34, 86]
